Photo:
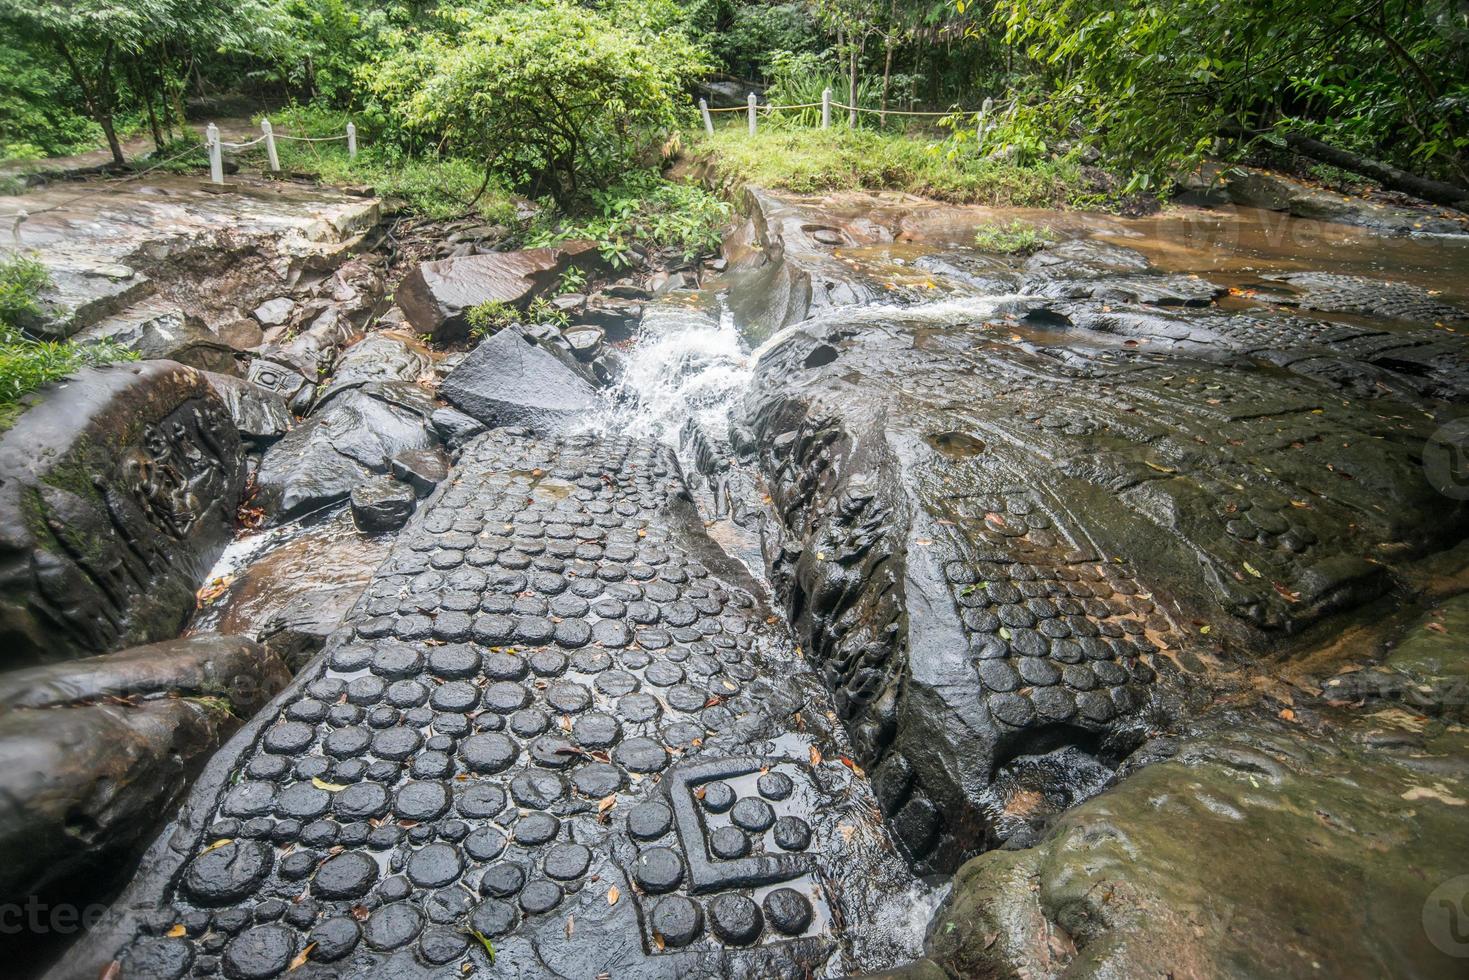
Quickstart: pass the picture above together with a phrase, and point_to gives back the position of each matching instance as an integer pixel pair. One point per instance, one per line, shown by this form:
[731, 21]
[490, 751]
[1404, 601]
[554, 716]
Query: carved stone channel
[557, 712]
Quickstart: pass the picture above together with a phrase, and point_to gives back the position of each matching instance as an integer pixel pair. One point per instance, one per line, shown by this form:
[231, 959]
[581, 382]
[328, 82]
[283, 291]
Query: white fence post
[216, 153]
[704, 111]
[20, 217]
[826, 108]
[984, 112]
[351, 140]
[751, 102]
[275, 160]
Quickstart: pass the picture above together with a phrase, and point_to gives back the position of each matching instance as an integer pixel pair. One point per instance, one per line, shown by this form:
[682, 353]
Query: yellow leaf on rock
[613, 894]
[815, 756]
[320, 783]
[301, 958]
[177, 931]
[217, 845]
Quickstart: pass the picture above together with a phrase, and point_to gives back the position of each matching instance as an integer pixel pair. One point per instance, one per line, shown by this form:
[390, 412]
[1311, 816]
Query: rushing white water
[686, 364]
[690, 364]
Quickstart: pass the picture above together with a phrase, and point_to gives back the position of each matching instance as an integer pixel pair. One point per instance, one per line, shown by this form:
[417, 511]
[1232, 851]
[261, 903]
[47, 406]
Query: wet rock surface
[1015, 542]
[119, 493]
[1348, 836]
[342, 445]
[553, 696]
[99, 750]
[436, 295]
[512, 379]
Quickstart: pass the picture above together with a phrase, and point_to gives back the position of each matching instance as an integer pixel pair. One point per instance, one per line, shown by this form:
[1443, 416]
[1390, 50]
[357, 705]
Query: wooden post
[216, 153]
[979, 130]
[826, 108]
[751, 103]
[351, 140]
[708, 122]
[270, 154]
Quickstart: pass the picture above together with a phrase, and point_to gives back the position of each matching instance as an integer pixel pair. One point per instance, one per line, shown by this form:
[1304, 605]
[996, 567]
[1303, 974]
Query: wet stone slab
[559, 724]
[1018, 548]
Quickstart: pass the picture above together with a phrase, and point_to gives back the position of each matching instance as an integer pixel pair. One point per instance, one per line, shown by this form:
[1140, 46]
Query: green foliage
[745, 37]
[489, 318]
[645, 209]
[556, 97]
[430, 185]
[1015, 238]
[36, 100]
[22, 279]
[573, 280]
[1158, 83]
[27, 364]
[812, 161]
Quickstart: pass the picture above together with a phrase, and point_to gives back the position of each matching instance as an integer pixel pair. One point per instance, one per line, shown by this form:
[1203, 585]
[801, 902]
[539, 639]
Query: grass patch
[25, 363]
[489, 318]
[840, 159]
[1015, 238]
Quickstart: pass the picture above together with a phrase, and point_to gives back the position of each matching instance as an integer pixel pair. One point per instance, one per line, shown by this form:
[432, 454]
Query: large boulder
[1015, 548]
[1256, 852]
[383, 356]
[98, 752]
[349, 438]
[159, 330]
[510, 379]
[119, 492]
[436, 295]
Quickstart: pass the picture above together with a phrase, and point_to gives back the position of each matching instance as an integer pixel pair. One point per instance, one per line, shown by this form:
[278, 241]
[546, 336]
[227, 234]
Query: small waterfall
[691, 365]
[687, 364]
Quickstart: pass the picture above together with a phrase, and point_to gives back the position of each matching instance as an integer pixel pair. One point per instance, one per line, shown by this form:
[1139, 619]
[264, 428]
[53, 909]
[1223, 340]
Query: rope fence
[984, 117]
[212, 143]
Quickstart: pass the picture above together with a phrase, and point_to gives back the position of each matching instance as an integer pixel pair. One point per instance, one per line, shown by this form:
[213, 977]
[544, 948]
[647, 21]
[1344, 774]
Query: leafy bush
[556, 97]
[1015, 238]
[645, 209]
[21, 280]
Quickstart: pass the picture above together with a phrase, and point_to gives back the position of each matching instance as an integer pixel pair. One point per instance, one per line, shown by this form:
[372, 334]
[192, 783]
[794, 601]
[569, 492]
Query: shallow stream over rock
[880, 555]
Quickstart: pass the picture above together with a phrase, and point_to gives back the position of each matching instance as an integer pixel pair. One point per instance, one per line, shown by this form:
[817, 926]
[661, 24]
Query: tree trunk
[147, 96]
[887, 75]
[1437, 191]
[97, 98]
[1434, 191]
[851, 84]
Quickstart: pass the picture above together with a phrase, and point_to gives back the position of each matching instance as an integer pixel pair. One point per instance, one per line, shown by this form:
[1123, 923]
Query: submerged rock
[119, 493]
[99, 750]
[348, 439]
[510, 379]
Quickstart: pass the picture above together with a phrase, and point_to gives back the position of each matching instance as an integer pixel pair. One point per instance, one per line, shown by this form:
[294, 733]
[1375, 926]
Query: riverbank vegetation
[27, 362]
[461, 104]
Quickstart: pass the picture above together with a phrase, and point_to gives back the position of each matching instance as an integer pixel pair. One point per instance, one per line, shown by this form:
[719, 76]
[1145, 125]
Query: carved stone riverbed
[885, 606]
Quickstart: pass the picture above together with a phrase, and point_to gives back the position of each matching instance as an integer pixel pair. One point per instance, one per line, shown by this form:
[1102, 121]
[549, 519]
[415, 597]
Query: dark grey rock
[509, 380]
[348, 439]
[119, 492]
[260, 415]
[422, 469]
[382, 504]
